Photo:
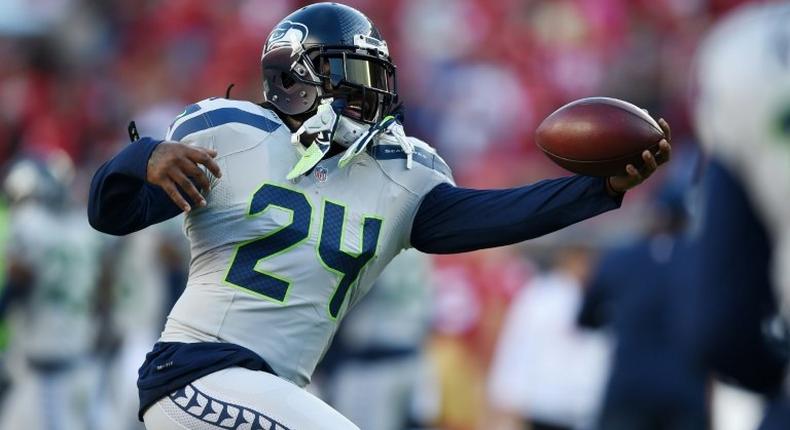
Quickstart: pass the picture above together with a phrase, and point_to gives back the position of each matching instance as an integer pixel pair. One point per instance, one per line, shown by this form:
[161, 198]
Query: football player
[294, 206]
[742, 253]
[53, 273]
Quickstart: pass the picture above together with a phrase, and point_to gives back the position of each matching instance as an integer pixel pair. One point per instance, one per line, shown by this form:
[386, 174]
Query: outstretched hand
[633, 176]
[176, 168]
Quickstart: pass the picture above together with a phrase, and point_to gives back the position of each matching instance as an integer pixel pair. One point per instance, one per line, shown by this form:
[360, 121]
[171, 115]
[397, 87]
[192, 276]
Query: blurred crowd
[76, 71]
[476, 77]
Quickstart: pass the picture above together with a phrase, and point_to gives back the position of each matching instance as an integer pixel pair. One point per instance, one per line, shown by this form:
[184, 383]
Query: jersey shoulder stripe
[223, 116]
[189, 110]
[216, 112]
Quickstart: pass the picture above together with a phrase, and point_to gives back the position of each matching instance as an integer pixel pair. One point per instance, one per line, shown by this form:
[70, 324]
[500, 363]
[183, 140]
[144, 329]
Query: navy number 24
[347, 265]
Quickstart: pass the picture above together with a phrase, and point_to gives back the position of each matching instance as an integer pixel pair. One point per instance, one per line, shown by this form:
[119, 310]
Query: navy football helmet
[329, 50]
[41, 178]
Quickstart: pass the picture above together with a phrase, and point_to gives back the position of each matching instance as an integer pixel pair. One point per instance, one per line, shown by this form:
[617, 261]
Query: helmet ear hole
[287, 80]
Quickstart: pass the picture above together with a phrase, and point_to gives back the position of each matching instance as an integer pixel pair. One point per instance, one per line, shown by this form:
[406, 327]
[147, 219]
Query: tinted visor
[365, 72]
[365, 82]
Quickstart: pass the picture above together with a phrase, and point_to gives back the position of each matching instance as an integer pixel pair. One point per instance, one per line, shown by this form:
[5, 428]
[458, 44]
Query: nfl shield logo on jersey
[320, 173]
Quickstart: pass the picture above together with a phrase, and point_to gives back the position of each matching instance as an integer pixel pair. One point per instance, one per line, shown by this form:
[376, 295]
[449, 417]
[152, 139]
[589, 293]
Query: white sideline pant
[238, 398]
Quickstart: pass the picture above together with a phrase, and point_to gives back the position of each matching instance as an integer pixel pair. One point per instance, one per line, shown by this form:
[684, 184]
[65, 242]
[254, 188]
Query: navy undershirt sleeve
[120, 201]
[452, 219]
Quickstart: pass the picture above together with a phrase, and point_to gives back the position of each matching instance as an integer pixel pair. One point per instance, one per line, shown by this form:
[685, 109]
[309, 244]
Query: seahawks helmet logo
[285, 32]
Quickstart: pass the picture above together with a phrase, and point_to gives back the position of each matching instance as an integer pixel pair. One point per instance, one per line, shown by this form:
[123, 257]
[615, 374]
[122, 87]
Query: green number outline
[269, 234]
[349, 253]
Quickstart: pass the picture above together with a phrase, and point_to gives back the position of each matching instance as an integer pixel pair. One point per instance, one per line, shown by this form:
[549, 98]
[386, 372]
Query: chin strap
[396, 130]
[388, 126]
[323, 125]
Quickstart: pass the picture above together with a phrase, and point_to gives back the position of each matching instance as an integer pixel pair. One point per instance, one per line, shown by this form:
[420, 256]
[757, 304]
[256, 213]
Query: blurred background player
[742, 252]
[52, 277]
[638, 294]
[377, 359]
[548, 374]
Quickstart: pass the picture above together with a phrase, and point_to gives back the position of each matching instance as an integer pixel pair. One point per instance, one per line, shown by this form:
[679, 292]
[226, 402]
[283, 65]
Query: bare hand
[634, 176]
[175, 166]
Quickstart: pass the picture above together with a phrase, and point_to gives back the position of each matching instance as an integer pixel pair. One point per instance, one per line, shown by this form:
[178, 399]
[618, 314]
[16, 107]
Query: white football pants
[238, 398]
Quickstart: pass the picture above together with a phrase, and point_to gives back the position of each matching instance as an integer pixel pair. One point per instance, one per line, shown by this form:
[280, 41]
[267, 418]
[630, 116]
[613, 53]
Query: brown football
[598, 136]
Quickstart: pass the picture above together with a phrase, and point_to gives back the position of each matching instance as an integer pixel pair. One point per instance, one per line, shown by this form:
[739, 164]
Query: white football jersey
[275, 264]
[58, 319]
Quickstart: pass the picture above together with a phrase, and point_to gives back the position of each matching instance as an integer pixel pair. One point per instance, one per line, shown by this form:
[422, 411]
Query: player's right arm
[148, 182]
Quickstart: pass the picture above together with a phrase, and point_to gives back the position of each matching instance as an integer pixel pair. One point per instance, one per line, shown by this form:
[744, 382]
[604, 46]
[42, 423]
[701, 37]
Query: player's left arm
[634, 176]
[452, 219]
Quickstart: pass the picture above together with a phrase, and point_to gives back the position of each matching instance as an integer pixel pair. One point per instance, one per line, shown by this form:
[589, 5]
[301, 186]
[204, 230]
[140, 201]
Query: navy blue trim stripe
[243, 415]
[190, 109]
[187, 110]
[222, 116]
[422, 156]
